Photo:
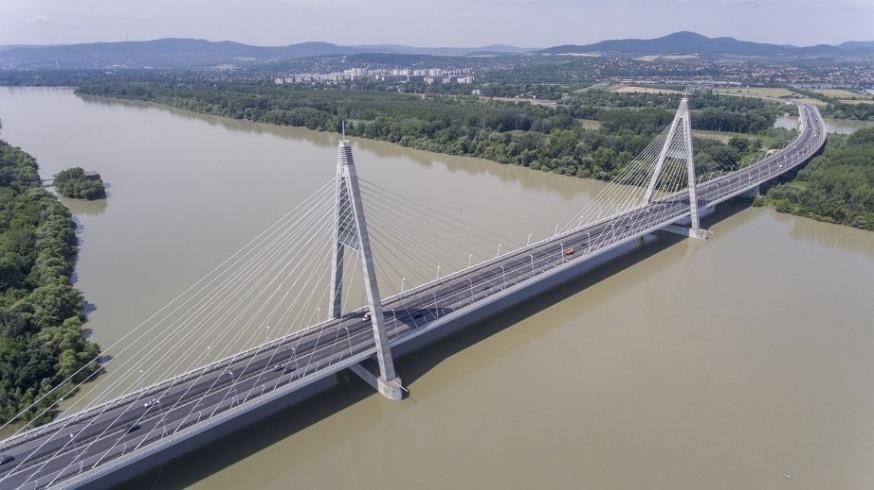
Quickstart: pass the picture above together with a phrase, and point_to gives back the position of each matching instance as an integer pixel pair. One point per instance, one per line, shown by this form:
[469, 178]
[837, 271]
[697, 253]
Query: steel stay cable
[385, 246]
[383, 217]
[645, 156]
[68, 420]
[189, 332]
[170, 409]
[299, 313]
[123, 338]
[632, 176]
[125, 411]
[314, 243]
[182, 422]
[376, 203]
[235, 284]
[420, 255]
[307, 274]
[378, 191]
[400, 235]
[423, 252]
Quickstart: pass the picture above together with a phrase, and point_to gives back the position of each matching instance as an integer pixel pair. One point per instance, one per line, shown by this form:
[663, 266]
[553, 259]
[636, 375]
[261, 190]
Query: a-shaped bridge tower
[678, 145]
[350, 231]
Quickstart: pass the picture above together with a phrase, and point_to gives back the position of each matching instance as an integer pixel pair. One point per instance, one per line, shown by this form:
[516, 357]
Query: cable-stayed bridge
[344, 282]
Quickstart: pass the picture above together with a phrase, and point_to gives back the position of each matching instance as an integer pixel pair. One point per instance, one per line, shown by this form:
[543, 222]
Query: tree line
[42, 342]
[544, 138]
[837, 187]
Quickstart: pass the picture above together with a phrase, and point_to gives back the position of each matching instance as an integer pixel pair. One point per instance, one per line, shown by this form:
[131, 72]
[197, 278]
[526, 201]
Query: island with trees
[42, 342]
[79, 184]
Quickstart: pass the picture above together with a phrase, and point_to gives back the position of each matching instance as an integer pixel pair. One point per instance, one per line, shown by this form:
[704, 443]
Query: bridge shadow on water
[201, 463]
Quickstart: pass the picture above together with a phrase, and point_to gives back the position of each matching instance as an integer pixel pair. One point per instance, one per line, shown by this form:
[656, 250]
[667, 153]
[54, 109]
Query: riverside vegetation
[542, 138]
[42, 342]
[837, 186]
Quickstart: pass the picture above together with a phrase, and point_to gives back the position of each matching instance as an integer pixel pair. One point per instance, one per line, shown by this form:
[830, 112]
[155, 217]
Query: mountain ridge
[201, 53]
[189, 53]
[691, 43]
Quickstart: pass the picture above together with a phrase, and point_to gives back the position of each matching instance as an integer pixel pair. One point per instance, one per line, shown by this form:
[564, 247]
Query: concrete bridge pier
[686, 231]
[752, 193]
[350, 231]
[680, 134]
[686, 228]
[391, 389]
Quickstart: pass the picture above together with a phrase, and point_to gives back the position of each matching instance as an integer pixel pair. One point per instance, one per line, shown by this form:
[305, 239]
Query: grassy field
[759, 91]
[630, 89]
[777, 92]
[867, 101]
[590, 123]
[540, 102]
[725, 136]
[594, 86]
[839, 93]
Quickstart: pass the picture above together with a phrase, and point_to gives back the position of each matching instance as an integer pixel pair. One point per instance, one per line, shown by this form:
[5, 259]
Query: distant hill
[191, 53]
[199, 53]
[857, 45]
[690, 43]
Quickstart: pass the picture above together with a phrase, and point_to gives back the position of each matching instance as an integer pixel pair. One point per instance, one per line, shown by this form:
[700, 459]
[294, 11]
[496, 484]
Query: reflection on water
[718, 364]
[848, 240]
[846, 126]
[82, 206]
[380, 149]
[839, 126]
[786, 122]
[314, 137]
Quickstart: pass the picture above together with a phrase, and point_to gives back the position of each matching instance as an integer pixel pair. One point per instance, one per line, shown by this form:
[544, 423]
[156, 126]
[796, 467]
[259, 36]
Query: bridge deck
[123, 431]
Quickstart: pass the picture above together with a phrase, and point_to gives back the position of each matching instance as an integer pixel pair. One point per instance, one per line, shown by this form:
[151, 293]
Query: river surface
[839, 126]
[739, 362]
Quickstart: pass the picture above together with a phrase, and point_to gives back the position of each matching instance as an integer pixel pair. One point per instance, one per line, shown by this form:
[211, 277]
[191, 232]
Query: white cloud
[39, 18]
[464, 14]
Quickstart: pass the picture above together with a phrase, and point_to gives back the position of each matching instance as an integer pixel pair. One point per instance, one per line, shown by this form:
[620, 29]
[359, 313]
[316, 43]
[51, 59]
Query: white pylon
[681, 127]
[350, 230]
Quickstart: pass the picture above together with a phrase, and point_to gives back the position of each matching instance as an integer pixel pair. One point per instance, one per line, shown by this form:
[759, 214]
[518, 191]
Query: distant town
[426, 75]
[689, 72]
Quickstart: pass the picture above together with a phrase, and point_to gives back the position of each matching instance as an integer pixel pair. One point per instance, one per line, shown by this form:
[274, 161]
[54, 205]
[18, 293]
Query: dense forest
[710, 112]
[41, 338]
[837, 186]
[76, 183]
[545, 138]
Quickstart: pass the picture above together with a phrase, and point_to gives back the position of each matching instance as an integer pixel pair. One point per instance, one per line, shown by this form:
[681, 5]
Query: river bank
[44, 352]
[600, 157]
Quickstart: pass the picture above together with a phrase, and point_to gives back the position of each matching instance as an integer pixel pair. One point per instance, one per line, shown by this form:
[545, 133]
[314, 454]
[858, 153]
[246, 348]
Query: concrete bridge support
[350, 230]
[678, 145]
[683, 113]
[752, 193]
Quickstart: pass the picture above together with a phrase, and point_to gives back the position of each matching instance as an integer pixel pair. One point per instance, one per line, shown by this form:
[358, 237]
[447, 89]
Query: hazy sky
[527, 23]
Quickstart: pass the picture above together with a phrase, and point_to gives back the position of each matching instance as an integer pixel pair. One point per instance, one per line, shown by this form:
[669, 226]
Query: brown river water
[741, 362]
